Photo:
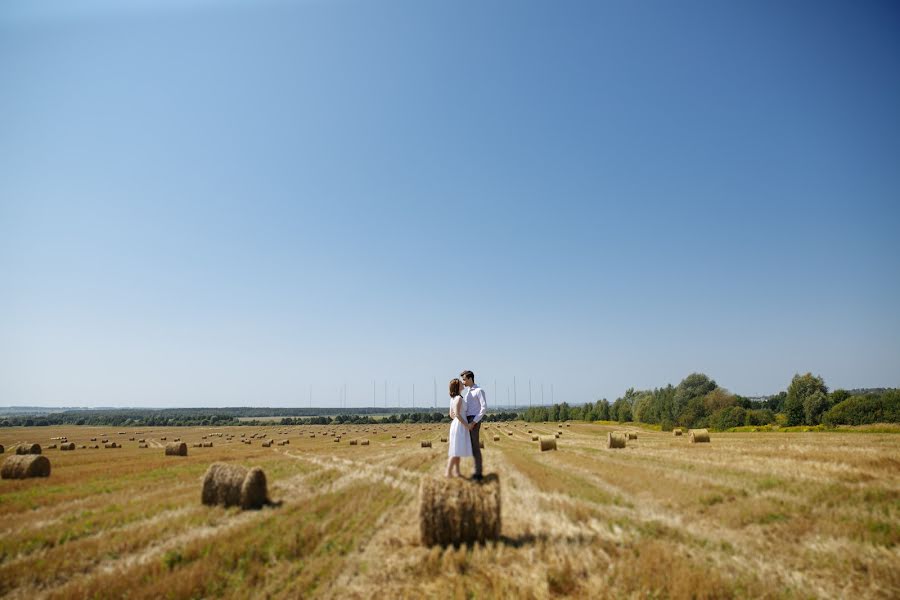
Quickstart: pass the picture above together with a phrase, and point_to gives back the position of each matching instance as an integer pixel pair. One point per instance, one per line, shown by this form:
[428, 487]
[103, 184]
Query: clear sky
[216, 204]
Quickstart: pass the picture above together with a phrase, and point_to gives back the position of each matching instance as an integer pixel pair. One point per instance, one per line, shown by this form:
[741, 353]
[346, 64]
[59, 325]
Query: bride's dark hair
[455, 384]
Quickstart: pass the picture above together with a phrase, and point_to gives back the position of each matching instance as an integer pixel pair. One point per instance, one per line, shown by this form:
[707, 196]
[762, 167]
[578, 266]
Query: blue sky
[219, 204]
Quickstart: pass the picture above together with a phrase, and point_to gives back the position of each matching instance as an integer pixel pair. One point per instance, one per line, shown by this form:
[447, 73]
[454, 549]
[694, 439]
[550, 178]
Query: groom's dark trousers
[476, 446]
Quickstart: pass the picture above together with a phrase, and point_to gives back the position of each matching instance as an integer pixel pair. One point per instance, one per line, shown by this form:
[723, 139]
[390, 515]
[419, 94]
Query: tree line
[698, 401]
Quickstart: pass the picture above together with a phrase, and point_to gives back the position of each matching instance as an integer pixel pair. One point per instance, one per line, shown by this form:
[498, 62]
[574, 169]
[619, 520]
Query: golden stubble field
[793, 515]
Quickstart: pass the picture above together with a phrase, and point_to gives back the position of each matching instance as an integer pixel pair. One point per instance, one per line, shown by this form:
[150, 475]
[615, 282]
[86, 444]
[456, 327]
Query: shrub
[862, 410]
[725, 418]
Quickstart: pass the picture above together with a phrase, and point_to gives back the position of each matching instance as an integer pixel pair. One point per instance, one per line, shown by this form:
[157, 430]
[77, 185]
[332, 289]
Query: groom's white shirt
[476, 405]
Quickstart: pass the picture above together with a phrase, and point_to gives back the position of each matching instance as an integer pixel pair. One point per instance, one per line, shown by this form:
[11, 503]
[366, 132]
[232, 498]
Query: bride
[459, 443]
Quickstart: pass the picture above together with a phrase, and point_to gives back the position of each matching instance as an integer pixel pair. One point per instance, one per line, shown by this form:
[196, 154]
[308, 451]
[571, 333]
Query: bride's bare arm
[459, 417]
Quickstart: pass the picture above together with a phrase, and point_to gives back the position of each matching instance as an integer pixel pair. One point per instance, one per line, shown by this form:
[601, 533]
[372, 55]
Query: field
[793, 515]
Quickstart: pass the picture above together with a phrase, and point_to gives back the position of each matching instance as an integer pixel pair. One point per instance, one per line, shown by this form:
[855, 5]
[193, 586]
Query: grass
[781, 514]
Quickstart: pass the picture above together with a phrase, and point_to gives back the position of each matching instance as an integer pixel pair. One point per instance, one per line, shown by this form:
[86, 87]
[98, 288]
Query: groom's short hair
[467, 375]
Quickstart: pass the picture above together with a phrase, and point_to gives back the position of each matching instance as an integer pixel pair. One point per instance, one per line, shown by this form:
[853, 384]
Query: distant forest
[699, 402]
[169, 417]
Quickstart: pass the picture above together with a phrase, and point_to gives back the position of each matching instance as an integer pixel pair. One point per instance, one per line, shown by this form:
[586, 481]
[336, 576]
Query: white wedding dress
[459, 443]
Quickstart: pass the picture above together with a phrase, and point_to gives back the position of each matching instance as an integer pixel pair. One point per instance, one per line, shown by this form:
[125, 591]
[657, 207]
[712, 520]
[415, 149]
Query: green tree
[801, 388]
[692, 386]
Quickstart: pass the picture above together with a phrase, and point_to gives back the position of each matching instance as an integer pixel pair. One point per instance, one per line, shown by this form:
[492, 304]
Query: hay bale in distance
[455, 511]
[267, 444]
[677, 432]
[481, 444]
[615, 439]
[2, 449]
[698, 436]
[23, 466]
[548, 442]
[353, 442]
[443, 439]
[632, 435]
[143, 446]
[363, 442]
[426, 444]
[496, 438]
[28, 449]
[176, 449]
[68, 446]
[234, 485]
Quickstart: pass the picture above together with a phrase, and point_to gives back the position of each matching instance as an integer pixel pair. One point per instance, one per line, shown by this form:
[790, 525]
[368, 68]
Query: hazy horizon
[223, 204]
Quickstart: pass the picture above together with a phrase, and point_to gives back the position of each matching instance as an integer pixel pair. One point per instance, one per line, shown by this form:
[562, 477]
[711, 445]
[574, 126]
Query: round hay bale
[548, 442]
[363, 442]
[455, 511]
[207, 444]
[353, 442]
[677, 432]
[197, 445]
[68, 446]
[163, 438]
[176, 449]
[496, 438]
[51, 446]
[443, 439]
[615, 439]
[393, 437]
[23, 466]
[337, 440]
[234, 485]
[632, 435]
[534, 438]
[699, 436]
[426, 444]
[2, 449]
[28, 449]
[481, 444]
[143, 446]
[267, 444]
[529, 431]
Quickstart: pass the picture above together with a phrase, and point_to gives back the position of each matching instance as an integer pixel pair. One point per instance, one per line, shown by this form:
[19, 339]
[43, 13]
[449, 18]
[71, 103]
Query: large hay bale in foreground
[69, 446]
[698, 436]
[615, 439]
[24, 466]
[456, 511]
[426, 444]
[548, 442]
[176, 449]
[28, 449]
[234, 485]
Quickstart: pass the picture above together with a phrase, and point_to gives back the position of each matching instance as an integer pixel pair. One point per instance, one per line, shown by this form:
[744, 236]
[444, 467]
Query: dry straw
[176, 449]
[25, 466]
[534, 438]
[69, 446]
[353, 442]
[632, 435]
[698, 436]
[548, 442]
[615, 439]
[28, 449]
[234, 485]
[426, 444]
[363, 442]
[677, 432]
[456, 511]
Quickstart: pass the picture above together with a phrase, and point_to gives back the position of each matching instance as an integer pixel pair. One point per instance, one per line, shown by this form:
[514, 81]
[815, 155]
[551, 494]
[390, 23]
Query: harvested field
[780, 515]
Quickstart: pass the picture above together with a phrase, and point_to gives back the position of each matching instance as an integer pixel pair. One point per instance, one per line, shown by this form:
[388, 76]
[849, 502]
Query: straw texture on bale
[548, 442]
[364, 442]
[28, 449]
[677, 432]
[353, 442]
[615, 439]
[69, 446]
[25, 466]
[2, 449]
[698, 436]
[176, 449]
[443, 439]
[632, 435]
[267, 444]
[426, 444]
[456, 511]
[234, 485]
[143, 446]
[534, 438]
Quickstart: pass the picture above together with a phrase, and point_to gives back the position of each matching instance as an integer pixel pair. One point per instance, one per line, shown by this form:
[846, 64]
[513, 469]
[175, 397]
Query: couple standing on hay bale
[467, 408]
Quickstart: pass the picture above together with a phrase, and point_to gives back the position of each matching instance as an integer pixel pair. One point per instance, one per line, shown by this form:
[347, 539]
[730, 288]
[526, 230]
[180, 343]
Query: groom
[476, 407]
